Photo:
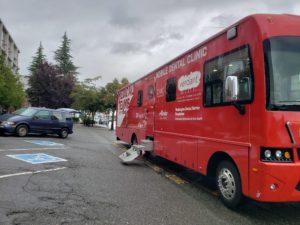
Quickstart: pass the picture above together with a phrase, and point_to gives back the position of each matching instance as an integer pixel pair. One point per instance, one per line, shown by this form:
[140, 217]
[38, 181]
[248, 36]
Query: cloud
[124, 38]
[164, 38]
[127, 47]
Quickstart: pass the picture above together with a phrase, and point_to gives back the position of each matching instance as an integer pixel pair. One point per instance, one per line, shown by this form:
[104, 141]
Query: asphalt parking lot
[80, 180]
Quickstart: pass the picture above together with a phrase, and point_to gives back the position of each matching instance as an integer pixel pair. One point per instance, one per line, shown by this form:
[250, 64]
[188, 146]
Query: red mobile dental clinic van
[228, 108]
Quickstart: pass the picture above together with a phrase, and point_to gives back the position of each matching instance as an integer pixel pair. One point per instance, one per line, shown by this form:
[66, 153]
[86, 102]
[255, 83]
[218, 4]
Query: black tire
[134, 140]
[229, 184]
[22, 131]
[64, 132]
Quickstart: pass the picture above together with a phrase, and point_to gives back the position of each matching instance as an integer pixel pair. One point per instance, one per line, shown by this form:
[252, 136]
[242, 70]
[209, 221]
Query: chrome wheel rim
[226, 184]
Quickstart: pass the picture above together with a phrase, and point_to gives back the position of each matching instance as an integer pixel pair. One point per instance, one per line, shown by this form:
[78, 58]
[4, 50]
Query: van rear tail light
[281, 155]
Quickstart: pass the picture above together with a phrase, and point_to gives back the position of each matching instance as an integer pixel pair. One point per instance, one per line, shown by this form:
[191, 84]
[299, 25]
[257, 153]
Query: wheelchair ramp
[133, 153]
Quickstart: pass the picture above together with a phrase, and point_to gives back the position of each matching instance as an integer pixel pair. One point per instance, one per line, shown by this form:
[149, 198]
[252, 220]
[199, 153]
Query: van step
[119, 142]
[148, 145]
[133, 153]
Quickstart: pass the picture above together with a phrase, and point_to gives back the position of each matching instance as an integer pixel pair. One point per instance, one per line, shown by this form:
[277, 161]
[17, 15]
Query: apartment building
[9, 48]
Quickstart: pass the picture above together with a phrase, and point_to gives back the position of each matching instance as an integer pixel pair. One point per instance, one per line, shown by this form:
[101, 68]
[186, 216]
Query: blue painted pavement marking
[45, 143]
[37, 158]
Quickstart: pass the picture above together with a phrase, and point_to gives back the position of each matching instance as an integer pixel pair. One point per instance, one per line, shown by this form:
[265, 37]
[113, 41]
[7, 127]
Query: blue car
[37, 120]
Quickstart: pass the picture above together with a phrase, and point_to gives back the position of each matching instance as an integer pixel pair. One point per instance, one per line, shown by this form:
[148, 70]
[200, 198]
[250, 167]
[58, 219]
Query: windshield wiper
[289, 101]
[285, 106]
[279, 106]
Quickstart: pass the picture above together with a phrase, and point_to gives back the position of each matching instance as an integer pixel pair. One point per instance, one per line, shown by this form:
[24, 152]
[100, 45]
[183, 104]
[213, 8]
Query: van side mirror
[231, 93]
[231, 88]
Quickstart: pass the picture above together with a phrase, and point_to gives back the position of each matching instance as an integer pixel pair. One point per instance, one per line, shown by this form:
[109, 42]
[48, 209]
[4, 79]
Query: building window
[236, 63]
[171, 89]
[140, 98]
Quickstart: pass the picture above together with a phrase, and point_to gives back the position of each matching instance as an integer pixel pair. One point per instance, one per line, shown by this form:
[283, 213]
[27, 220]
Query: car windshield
[25, 112]
[282, 57]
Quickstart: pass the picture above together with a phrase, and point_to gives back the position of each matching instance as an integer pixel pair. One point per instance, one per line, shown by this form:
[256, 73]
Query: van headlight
[8, 123]
[284, 155]
[267, 154]
[278, 154]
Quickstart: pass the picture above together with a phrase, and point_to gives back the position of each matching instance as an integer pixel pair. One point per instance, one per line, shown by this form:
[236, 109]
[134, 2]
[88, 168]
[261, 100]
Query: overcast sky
[124, 38]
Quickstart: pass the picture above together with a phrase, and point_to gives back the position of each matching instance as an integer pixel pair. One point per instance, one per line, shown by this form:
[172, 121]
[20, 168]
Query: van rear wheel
[134, 140]
[64, 133]
[229, 184]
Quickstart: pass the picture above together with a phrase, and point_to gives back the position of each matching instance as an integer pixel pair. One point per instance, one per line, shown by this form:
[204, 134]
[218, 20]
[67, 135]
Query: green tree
[111, 90]
[63, 57]
[88, 98]
[12, 94]
[64, 61]
[38, 59]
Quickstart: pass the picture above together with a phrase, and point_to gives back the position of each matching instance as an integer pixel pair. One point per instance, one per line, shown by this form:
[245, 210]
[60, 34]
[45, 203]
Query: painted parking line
[176, 179]
[44, 143]
[31, 172]
[30, 149]
[37, 158]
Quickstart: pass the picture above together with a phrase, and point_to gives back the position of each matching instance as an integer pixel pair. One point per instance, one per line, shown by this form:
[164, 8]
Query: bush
[75, 119]
[88, 121]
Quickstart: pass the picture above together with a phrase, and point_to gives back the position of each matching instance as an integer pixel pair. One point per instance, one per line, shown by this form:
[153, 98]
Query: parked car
[37, 120]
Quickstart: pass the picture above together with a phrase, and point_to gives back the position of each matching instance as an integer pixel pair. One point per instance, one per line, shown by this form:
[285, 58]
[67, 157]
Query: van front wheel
[229, 184]
[22, 130]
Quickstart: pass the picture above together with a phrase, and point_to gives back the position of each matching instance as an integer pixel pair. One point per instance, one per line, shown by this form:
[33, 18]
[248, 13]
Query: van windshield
[282, 64]
[25, 112]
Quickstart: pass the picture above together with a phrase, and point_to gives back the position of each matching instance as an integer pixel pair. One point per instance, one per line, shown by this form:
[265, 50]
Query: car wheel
[229, 184]
[22, 131]
[64, 133]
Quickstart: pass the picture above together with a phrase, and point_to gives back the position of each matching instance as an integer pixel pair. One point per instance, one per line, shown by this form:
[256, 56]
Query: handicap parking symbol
[45, 143]
[37, 158]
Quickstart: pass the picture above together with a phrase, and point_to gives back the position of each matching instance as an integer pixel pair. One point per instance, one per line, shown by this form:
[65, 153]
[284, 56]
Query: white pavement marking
[37, 158]
[30, 149]
[32, 172]
[43, 142]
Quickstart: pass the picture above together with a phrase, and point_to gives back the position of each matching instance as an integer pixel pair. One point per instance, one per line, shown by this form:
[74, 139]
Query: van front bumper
[5, 128]
[276, 182]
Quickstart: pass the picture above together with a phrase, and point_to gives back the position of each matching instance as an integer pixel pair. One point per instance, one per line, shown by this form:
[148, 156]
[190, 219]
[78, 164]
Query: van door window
[237, 64]
[140, 98]
[57, 116]
[43, 115]
[171, 89]
[150, 92]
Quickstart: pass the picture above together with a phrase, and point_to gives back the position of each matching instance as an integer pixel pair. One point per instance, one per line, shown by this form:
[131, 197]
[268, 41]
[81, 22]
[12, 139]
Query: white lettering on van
[124, 99]
[182, 62]
[196, 55]
[163, 114]
[187, 82]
